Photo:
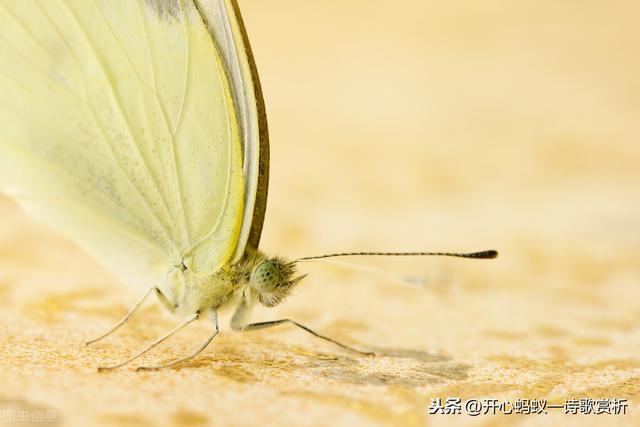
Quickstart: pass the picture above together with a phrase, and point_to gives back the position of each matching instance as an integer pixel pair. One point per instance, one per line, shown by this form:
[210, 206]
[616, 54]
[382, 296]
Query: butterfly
[137, 128]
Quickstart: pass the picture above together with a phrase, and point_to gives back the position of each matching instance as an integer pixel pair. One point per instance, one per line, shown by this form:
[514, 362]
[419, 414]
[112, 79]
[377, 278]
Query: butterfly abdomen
[192, 293]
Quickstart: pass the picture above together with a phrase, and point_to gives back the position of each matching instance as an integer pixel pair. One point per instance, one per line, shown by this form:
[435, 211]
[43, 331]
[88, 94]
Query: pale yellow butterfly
[137, 128]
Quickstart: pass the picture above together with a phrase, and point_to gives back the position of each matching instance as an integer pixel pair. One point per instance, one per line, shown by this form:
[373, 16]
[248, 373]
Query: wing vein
[185, 84]
[176, 171]
[144, 86]
[95, 118]
[36, 43]
[44, 74]
[58, 170]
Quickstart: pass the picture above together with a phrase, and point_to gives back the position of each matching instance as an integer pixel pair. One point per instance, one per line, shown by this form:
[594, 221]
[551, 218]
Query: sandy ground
[401, 125]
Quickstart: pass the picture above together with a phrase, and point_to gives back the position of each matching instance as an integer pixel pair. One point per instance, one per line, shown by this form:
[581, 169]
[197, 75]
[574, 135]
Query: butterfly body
[188, 293]
[255, 278]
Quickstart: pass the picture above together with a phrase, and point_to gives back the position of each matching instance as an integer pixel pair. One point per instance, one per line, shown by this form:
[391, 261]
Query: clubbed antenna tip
[491, 253]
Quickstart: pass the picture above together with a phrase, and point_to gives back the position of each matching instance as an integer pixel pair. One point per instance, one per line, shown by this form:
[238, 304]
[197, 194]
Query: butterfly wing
[118, 127]
[224, 21]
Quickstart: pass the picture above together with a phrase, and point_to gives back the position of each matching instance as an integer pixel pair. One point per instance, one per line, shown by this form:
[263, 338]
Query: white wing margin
[118, 128]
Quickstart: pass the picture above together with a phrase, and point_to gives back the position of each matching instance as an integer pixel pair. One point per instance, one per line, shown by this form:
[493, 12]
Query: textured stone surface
[395, 126]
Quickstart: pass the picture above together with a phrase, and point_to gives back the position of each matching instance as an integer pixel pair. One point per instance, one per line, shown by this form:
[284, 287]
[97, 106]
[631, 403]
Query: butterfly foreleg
[166, 302]
[124, 319]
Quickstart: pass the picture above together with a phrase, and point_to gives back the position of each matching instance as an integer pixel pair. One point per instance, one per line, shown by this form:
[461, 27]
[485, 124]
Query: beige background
[395, 125]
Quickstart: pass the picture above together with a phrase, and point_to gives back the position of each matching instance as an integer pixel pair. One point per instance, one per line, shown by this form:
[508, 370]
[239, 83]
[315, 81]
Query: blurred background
[404, 125]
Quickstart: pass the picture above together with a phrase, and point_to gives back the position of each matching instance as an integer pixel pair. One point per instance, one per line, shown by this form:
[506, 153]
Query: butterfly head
[273, 279]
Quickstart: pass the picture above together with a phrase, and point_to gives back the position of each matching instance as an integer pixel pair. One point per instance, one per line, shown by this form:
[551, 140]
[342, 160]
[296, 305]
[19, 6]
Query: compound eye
[265, 277]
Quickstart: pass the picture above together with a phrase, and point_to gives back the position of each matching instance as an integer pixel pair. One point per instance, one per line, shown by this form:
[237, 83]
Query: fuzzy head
[273, 279]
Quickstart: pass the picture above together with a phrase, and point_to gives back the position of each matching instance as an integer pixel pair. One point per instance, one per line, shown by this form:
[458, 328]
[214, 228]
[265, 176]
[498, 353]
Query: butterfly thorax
[255, 277]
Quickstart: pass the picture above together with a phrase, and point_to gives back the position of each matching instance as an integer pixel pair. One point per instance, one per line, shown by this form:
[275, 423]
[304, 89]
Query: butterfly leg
[152, 345]
[166, 302]
[242, 313]
[123, 320]
[214, 319]
[270, 323]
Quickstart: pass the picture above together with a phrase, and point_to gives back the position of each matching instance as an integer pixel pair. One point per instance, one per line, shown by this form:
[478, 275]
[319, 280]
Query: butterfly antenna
[476, 255]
